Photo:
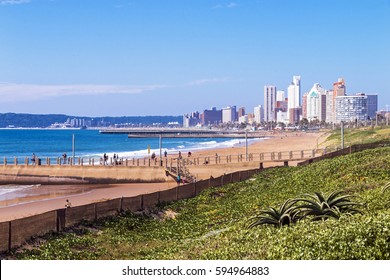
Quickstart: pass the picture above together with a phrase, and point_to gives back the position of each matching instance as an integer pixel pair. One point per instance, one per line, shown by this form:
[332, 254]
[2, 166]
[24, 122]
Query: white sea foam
[183, 147]
[6, 189]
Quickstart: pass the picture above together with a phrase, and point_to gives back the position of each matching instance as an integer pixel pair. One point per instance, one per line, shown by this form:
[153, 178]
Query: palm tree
[285, 215]
[322, 207]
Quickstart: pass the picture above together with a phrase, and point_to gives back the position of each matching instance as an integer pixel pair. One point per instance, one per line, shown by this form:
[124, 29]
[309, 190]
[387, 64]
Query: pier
[184, 133]
[79, 170]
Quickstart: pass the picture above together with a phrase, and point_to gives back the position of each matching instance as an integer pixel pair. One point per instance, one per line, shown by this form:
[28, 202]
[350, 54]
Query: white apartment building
[315, 103]
[259, 114]
[229, 114]
[359, 107]
[280, 95]
[294, 93]
[269, 103]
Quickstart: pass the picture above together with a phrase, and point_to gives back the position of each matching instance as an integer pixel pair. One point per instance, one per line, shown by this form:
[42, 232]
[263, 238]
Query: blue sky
[169, 57]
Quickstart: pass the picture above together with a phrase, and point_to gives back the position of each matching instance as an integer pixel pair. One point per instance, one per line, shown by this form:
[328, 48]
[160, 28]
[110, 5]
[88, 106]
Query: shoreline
[99, 192]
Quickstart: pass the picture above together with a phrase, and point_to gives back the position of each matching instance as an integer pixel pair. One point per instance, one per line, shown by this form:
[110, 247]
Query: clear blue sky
[155, 57]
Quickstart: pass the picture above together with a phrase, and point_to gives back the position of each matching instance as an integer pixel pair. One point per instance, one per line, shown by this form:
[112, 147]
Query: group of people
[115, 158]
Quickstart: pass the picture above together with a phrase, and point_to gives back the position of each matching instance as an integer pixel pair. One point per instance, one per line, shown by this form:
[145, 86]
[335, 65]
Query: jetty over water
[184, 133]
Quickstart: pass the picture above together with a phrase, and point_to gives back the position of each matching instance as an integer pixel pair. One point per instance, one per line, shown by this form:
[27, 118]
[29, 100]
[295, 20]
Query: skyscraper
[339, 89]
[259, 114]
[316, 103]
[280, 95]
[294, 93]
[294, 98]
[269, 103]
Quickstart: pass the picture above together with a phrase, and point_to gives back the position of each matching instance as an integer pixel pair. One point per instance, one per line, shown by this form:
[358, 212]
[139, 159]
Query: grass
[214, 226]
[357, 136]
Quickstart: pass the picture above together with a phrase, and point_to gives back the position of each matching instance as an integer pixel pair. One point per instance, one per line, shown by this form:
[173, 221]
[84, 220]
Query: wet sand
[47, 198]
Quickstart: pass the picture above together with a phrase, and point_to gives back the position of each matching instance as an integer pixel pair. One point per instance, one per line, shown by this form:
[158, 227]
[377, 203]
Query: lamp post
[246, 145]
[161, 160]
[342, 134]
[73, 148]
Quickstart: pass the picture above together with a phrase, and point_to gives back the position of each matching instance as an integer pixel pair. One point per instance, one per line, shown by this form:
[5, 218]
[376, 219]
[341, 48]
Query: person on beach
[33, 158]
[189, 154]
[64, 156]
[178, 179]
[68, 204]
[165, 153]
[179, 155]
[105, 158]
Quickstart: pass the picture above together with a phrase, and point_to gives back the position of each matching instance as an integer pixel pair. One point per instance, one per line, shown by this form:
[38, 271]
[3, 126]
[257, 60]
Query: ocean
[52, 143]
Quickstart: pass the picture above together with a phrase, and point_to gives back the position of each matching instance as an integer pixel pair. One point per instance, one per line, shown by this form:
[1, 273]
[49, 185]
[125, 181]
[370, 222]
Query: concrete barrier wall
[132, 204]
[236, 176]
[216, 182]
[108, 208]
[201, 186]
[168, 195]
[227, 179]
[76, 214]
[25, 228]
[186, 191]
[22, 174]
[4, 236]
[150, 200]
[244, 175]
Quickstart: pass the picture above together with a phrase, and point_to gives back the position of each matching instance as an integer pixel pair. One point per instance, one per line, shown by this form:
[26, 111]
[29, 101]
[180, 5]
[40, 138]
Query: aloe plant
[322, 207]
[386, 187]
[287, 214]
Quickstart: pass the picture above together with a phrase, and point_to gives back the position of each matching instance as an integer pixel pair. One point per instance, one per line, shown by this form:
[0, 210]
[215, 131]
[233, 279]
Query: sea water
[54, 143]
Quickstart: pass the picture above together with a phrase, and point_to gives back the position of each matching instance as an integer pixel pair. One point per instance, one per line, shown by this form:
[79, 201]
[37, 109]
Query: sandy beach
[41, 202]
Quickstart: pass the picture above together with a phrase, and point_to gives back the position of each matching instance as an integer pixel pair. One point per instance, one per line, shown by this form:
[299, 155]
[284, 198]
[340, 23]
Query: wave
[7, 189]
[187, 146]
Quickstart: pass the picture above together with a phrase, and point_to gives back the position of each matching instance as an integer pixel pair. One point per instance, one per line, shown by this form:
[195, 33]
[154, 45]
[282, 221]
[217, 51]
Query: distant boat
[11, 126]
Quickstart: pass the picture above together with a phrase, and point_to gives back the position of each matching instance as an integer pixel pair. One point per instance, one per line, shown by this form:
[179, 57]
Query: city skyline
[147, 58]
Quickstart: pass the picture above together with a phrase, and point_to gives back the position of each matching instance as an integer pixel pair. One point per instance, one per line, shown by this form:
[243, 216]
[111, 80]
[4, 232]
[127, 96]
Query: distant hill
[37, 120]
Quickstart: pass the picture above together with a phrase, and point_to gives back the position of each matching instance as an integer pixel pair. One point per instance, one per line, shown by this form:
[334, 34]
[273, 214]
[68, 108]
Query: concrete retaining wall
[201, 186]
[168, 195]
[75, 215]
[4, 236]
[186, 191]
[26, 228]
[132, 204]
[22, 174]
[108, 208]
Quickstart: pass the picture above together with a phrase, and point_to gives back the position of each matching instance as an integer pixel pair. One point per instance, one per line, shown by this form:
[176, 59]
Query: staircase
[181, 169]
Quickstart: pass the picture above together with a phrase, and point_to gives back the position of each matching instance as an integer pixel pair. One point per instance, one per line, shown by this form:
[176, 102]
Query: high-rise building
[280, 95]
[269, 103]
[316, 103]
[359, 107]
[294, 99]
[229, 114]
[241, 112]
[258, 114]
[339, 89]
[329, 107]
[294, 93]
[211, 117]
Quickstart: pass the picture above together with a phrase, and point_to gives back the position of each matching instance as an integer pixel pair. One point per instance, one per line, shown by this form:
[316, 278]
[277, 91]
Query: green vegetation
[286, 215]
[358, 136]
[216, 226]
